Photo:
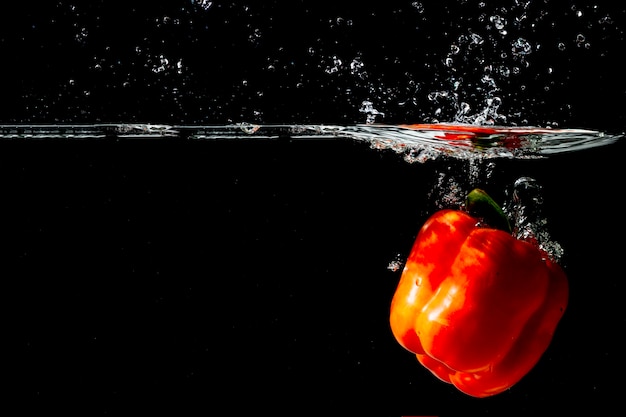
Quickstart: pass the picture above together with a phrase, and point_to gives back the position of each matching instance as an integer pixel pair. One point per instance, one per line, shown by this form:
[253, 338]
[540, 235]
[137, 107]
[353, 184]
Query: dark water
[152, 276]
[186, 277]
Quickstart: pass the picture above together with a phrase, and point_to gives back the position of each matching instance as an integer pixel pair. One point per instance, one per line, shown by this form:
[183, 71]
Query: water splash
[488, 71]
[422, 143]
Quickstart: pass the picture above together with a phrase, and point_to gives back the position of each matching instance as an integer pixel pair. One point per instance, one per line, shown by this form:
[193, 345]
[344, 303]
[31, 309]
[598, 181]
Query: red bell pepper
[477, 306]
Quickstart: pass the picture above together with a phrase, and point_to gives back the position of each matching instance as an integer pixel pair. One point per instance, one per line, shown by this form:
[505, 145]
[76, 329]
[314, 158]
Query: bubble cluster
[524, 208]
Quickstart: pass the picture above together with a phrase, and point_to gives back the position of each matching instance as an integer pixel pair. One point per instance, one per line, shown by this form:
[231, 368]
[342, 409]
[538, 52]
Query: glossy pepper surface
[477, 306]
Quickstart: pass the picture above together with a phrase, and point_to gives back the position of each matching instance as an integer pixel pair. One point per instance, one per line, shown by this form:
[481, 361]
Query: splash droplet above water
[371, 113]
[423, 142]
[204, 4]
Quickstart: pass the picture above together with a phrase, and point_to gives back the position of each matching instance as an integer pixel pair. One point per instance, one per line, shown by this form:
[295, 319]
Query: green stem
[479, 204]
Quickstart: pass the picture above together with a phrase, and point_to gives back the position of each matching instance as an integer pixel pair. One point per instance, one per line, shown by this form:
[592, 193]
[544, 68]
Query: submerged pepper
[477, 306]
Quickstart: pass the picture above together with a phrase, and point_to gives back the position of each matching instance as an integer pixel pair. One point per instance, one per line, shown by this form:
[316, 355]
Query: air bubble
[396, 264]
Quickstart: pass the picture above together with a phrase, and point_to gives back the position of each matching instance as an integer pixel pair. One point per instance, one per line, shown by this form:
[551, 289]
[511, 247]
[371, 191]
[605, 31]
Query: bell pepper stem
[479, 204]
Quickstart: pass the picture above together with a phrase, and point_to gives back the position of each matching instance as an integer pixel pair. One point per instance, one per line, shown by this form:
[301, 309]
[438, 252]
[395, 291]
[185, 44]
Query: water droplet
[396, 264]
[521, 47]
[605, 20]
[581, 41]
[418, 6]
[489, 81]
[337, 63]
[356, 67]
[504, 71]
[81, 36]
[464, 108]
[371, 113]
[204, 4]
[498, 22]
[475, 40]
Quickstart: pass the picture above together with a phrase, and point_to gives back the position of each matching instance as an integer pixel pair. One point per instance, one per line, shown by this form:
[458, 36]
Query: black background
[185, 277]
